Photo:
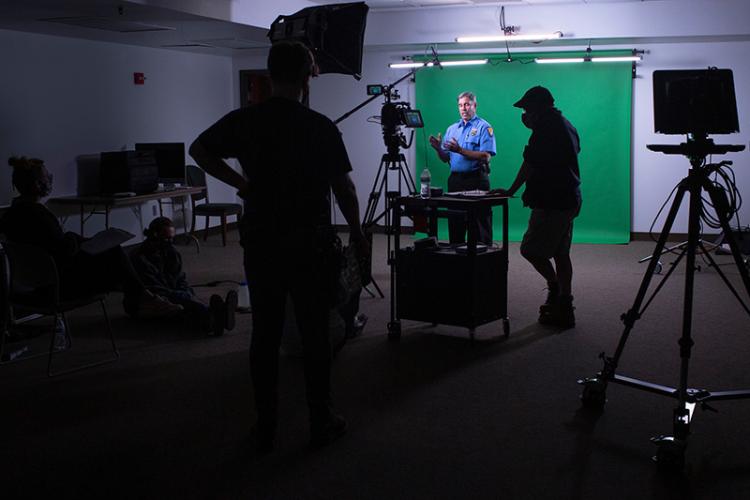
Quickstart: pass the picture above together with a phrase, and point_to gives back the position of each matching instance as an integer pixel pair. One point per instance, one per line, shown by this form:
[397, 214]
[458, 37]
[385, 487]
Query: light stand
[671, 449]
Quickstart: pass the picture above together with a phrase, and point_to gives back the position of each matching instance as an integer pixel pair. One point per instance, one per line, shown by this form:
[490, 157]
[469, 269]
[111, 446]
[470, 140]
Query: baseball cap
[535, 97]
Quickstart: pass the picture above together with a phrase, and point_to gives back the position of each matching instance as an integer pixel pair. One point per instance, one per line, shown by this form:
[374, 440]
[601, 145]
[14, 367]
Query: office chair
[197, 177]
[29, 282]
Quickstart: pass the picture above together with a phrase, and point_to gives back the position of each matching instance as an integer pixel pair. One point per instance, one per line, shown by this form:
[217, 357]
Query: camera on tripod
[393, 115]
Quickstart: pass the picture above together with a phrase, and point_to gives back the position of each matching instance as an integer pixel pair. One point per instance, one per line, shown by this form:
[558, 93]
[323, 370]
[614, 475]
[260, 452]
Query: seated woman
[30, 222]
[159, 266]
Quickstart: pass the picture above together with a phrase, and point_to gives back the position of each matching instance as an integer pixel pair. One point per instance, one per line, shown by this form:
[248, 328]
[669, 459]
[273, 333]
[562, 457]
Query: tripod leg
[712, 263]
[633, 314]
[682, 414]
[406, 174]
[380, 292]
[375, 194]
[594, 388]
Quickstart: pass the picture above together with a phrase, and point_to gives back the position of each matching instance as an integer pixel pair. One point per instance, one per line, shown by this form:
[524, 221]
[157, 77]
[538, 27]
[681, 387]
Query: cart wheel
[659, 267]
[670, 454]
[506, 327]
[594, 393]
[394, 330]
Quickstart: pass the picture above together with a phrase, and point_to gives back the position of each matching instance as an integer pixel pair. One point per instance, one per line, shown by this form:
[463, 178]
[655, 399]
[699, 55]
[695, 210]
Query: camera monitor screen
[413, 118]
[695, 102]
[170, 160]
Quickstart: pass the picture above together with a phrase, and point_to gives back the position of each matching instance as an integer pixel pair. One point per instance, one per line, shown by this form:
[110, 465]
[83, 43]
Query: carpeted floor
[432, 416]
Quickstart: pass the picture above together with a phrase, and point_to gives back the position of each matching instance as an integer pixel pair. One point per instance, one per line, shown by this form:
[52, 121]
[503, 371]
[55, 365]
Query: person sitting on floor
[159, 266]
[30, 222]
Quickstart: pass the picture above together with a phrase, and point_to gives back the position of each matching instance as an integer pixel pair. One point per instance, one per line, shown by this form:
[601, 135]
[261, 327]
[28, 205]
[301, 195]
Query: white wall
[655, 174]
[61, 97]
[596, 20]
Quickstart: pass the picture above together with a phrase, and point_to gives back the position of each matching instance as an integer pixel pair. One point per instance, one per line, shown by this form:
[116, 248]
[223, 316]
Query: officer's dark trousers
[466, 181]
[272, 274]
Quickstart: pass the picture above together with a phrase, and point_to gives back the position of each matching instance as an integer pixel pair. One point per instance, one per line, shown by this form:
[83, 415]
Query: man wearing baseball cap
[551, 174]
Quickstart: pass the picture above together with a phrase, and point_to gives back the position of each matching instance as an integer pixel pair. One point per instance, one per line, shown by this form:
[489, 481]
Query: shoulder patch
[490, 131]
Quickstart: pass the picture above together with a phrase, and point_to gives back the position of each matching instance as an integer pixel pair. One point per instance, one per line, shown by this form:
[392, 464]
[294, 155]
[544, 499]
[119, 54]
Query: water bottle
[424, 181]
[243, 297]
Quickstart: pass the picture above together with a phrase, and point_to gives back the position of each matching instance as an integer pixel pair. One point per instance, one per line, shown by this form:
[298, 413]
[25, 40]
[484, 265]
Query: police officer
[469, 144]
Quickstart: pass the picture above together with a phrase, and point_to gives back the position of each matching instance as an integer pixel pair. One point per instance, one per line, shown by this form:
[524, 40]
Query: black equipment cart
[439, 283]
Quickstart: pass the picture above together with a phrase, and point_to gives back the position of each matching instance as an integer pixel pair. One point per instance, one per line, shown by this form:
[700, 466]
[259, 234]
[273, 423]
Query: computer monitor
[170, 159]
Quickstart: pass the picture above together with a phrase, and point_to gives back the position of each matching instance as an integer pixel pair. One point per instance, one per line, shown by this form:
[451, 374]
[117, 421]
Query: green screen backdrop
[595, 97]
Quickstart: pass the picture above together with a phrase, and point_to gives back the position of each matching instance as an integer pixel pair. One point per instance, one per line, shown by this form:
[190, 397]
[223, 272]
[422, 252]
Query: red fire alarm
[139, 79]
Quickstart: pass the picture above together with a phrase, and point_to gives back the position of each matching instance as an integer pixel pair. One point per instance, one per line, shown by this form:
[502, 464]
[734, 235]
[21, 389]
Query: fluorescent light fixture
[556, 60]
[409, 65]
[465, 62]
[616, 59]
[553, 60]
[509, 38]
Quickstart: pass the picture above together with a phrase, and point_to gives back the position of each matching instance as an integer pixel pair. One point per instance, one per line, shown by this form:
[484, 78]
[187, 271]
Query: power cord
[724, 181]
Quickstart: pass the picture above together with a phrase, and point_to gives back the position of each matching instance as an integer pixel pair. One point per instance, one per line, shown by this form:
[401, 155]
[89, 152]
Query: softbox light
[335, 33]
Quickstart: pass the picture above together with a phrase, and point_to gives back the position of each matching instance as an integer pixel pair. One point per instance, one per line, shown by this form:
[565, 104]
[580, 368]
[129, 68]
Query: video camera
[393, 115]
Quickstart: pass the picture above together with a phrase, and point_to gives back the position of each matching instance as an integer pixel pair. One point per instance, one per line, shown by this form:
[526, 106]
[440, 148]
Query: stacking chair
[197, 177]
[30, 283]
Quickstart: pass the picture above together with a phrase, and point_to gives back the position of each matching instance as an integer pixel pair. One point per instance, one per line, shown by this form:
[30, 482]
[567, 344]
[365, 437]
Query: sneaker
[154, 306]
[328, 431]
[217, 313]
[559, 314]
[230, 304]
[263, 434]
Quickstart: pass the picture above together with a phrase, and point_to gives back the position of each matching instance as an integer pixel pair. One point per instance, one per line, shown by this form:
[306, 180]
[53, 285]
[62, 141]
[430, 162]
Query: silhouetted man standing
[291, 157]
[550, 171]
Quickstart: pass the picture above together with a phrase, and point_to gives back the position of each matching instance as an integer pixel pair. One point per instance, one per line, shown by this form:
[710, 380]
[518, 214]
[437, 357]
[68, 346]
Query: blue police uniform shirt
[474, 135]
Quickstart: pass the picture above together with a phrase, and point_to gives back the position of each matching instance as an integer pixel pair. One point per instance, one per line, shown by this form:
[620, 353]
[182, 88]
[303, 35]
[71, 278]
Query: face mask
[526, 120]
[45, 184]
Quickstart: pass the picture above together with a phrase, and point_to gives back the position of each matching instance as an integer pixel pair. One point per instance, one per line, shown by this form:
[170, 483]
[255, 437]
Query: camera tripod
[393, 160]
[671, 449]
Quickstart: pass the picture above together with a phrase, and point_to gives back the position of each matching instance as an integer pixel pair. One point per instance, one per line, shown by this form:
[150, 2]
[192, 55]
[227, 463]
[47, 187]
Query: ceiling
[119, 21]
[130, 23]
[411, 4]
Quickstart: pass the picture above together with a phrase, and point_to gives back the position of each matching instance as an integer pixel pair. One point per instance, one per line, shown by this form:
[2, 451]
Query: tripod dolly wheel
[594, 393]
[670, 454]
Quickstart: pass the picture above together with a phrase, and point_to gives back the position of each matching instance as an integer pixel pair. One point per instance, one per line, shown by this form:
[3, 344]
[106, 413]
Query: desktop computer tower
[128, 171]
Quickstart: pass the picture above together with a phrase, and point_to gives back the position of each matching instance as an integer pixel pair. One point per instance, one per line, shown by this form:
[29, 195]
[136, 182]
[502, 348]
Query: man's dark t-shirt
[551, 157]
[289, 154]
